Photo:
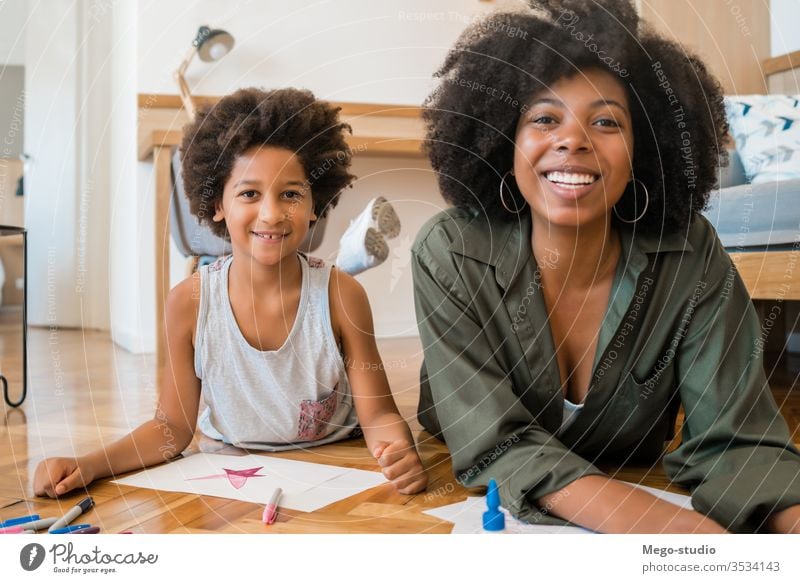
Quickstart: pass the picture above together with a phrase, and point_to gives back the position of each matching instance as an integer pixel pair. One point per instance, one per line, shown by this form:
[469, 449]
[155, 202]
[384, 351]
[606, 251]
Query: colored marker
[41, 524]
[271, 509]
[19, 529]
[493, 518]
[90, 530]
[72, 513]
[68, 529]
[126, 532]
[20, 520]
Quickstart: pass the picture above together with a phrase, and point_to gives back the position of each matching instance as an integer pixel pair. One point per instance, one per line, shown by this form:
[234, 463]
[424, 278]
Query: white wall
[411, 186]
[347, 50]
[784, 19]
[51, 82]
[67, 183]
[13, 16]
[94, 164]
[131, 282]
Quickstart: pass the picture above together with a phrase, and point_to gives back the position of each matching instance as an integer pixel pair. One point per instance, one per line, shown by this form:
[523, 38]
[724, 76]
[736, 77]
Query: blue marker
[69, 529]
[493, 518]
[20, 520]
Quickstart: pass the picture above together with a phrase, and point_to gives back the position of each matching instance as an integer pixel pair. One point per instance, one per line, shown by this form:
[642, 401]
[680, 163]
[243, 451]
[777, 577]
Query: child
[281, 344]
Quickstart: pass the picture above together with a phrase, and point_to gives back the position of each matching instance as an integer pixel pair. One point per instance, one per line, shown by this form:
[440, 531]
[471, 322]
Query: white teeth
[570, 177]
[268, 236]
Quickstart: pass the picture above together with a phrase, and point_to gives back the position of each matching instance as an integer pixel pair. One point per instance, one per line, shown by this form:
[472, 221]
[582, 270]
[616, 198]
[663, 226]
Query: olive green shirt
[679, 329]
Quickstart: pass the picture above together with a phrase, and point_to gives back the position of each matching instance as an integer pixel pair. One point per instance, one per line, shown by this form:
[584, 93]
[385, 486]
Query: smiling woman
[574, 298]
[574, 150]
[471, 138]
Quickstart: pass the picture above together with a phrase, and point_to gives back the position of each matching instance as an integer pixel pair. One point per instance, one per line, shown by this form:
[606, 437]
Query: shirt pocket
[315, 416]
[646, 411]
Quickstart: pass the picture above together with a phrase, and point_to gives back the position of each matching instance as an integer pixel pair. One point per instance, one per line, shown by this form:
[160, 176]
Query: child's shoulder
[183, 301]
[345, 287]
[348, 300]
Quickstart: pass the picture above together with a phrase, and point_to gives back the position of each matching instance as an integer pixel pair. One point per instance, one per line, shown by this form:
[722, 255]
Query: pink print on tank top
[315, 416]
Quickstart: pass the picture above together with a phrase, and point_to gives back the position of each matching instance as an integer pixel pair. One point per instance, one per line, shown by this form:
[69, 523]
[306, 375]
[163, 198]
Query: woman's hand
[58, 475]
[787, 521]
[401, 465]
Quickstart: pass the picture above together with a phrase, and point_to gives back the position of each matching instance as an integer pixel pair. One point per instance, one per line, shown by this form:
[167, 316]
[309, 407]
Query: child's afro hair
[287, 118]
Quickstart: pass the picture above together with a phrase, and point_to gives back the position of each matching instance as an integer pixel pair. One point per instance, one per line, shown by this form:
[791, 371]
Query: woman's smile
[571, 182]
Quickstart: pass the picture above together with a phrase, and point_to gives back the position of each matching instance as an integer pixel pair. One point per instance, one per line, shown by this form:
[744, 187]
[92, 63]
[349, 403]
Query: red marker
[271, 509]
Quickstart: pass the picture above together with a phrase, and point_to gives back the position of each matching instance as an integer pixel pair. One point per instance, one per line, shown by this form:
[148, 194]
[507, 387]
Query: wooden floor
[85, 392]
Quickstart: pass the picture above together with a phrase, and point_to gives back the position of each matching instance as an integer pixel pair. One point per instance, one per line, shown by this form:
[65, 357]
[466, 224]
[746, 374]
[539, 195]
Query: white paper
[306, 486]
[676, 499]
[467, 516]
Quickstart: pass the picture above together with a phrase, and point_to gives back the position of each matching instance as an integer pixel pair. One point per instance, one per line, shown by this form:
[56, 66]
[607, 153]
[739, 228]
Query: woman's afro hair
[498, 63]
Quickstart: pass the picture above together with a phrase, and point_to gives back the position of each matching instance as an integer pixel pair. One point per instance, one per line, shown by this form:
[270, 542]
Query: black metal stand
[6, 231]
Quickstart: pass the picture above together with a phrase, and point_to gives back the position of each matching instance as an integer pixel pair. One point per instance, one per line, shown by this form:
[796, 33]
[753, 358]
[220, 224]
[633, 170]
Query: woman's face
[574, 149]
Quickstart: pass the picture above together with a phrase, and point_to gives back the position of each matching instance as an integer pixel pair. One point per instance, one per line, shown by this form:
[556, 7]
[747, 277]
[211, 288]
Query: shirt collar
[505, 244]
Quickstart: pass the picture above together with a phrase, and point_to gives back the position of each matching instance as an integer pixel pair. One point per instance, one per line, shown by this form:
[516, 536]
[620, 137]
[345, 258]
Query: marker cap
[493, 518]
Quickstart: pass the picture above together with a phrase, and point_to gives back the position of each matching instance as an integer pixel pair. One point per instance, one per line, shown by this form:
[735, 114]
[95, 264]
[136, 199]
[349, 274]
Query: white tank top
[295, 396]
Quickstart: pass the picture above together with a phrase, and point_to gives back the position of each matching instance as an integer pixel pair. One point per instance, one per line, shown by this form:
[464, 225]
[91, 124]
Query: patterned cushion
[767, 133]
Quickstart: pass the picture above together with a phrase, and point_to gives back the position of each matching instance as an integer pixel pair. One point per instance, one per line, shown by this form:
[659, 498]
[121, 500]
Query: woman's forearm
[610, 506]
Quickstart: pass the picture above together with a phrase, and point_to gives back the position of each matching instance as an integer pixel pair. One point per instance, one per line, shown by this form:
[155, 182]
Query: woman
[574, 298]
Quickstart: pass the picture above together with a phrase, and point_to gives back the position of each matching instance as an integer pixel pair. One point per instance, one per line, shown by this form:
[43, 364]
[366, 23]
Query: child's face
[574, 149]
[266, 204]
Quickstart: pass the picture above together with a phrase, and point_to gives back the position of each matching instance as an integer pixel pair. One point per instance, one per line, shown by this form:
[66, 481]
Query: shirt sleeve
[736, 454]
[489, 432]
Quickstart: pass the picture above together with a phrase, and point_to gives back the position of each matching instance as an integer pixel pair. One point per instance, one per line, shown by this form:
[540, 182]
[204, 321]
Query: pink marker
[271, 509]
[12, 530]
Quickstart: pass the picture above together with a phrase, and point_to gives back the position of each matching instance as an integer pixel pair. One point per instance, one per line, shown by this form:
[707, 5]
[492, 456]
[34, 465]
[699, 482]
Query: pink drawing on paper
[237, 478]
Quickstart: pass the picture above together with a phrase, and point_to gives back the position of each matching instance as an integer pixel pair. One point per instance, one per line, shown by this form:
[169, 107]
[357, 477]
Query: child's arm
[610, 506]
[386, 432]
[157, 440]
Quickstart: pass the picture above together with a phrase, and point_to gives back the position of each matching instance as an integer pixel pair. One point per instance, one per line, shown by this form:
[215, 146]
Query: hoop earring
[646, 203]
[503, 199]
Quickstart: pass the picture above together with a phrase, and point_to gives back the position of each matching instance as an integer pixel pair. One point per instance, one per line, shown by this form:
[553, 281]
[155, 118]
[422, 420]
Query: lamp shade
[212, 44]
